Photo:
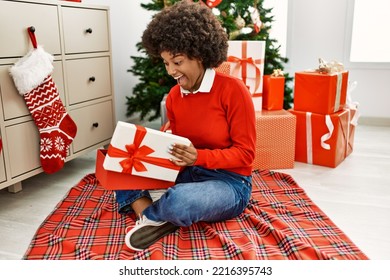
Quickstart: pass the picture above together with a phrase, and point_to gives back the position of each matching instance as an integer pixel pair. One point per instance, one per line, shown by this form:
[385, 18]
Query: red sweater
[220, 124]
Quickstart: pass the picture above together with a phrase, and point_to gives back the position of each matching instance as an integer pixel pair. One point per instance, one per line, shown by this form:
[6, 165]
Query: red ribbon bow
[136, 155]
[242, 63]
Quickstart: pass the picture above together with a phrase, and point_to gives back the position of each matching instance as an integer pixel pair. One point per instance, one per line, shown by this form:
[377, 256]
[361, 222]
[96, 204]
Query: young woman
[215, 111]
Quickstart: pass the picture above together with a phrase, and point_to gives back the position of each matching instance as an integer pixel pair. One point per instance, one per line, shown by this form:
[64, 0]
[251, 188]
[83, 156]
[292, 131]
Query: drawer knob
[92, 79]
[89, 30]
[95, 124]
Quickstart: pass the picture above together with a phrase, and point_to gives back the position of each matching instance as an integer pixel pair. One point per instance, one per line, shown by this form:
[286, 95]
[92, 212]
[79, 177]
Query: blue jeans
[199, 195]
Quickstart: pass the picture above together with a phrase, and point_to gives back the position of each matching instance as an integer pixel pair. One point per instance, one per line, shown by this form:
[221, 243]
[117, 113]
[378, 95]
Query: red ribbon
[135, 155]
[243, 63]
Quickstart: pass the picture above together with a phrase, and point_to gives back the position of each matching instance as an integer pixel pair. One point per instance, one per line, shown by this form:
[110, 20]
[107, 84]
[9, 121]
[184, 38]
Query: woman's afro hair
[187, 28]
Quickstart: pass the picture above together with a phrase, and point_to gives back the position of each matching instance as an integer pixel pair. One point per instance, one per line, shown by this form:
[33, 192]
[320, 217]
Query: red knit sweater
[219, 123]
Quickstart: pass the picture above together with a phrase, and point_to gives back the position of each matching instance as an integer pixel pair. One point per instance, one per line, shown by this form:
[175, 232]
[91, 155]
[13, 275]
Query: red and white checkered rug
[280, 222]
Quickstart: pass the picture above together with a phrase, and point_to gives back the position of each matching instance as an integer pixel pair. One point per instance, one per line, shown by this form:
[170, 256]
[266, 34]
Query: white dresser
[78, 36]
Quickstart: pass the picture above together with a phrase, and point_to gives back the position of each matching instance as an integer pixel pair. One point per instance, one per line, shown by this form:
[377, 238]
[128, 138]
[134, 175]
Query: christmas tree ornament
[33, 80]
[234, 34]
[255, 16]
[240, 22]
[213, 3]
[161, 81]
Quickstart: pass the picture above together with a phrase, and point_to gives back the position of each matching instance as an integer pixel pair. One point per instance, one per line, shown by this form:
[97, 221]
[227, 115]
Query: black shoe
[146, 232]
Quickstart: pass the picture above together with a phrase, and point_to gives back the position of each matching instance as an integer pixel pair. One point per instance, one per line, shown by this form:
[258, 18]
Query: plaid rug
[280, 222]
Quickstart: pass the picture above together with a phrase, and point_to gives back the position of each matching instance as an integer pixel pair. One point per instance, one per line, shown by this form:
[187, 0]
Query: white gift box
[141, 151]
[257, 103]
[247, 63]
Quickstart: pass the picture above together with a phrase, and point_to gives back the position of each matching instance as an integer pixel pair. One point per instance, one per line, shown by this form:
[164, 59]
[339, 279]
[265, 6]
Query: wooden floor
[355, 195]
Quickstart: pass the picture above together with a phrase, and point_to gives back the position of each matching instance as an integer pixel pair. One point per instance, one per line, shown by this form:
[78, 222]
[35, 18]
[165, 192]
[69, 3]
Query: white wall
[316, 28]
[321, 29]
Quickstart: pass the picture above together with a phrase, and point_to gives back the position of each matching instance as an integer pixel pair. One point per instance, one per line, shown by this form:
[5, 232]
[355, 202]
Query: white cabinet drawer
[16, 17]
[94, 125]
[88, 79]
[85, 30]
[77, 35]
[14, 105]
[23, 147]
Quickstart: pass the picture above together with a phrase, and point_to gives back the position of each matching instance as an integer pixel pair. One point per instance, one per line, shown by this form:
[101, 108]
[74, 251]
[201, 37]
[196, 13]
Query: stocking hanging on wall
[32, 77]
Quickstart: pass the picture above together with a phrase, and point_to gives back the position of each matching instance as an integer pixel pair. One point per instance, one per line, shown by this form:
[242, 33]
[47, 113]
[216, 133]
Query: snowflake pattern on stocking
[46, 145]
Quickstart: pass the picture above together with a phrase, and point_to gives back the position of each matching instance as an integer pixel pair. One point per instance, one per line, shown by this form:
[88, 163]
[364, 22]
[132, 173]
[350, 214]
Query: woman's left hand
[184, 155]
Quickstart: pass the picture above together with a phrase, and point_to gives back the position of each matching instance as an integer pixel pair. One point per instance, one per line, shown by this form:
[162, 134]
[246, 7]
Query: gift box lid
[142, 151]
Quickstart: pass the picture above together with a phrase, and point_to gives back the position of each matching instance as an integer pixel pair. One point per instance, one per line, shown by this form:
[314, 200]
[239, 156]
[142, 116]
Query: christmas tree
[243, 20]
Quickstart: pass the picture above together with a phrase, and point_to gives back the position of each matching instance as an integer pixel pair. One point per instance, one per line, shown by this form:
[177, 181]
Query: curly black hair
[187, 28]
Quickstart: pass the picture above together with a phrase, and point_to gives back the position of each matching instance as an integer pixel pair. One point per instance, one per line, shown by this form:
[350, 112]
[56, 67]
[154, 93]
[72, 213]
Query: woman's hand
[184, 155]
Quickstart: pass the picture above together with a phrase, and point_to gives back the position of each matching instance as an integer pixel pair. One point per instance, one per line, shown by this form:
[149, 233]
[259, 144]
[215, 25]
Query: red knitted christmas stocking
[56, 128]
[32, 77]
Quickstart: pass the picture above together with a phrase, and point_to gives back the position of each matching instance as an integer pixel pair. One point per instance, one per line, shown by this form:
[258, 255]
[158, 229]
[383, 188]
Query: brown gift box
[275, 140]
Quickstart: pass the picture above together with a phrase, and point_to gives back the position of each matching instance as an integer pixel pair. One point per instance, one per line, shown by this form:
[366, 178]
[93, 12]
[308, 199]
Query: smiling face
[188, 72]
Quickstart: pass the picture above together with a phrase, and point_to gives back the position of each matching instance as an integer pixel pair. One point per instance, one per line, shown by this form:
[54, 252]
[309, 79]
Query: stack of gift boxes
[275, 127]
[320, 127]
[325, 122]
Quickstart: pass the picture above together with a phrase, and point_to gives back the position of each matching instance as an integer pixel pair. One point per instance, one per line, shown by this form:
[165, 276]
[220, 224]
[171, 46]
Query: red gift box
[320, 93]
[324, 140]
[122, 181]
[273, 92]
[275, 140]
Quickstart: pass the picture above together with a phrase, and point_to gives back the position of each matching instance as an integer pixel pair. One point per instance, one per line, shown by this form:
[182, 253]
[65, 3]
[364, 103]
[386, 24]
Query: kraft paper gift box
[246, 60]
[223, 68]
[139, 151]
[275, 140]
[322, 139]
[111, 180]
[273, 92]
[320, 93]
